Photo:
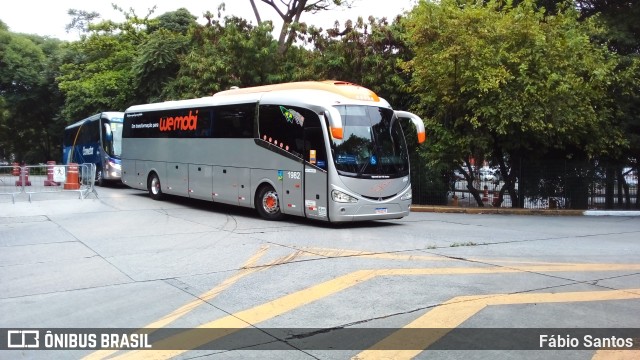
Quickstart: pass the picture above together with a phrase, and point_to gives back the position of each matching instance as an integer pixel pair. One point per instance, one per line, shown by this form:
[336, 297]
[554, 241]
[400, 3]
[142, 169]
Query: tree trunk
[255, 11]
[609, 187]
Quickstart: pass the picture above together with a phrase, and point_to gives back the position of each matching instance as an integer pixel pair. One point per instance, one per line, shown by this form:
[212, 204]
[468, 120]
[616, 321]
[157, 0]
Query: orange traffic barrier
[72, 182]
[16, 169]
[49, 181]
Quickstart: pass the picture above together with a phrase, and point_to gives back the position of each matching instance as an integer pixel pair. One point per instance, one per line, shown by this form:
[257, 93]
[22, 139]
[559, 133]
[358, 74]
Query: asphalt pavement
[204, 280]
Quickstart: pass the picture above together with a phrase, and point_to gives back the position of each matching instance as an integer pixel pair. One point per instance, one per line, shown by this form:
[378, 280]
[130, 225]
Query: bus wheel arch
[154, 186]
[267, 202]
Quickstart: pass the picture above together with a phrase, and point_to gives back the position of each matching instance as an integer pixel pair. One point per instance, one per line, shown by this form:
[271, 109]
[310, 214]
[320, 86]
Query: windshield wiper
[364, 166]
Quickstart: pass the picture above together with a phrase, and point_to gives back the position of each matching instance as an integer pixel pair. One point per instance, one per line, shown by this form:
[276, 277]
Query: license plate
[381, 210]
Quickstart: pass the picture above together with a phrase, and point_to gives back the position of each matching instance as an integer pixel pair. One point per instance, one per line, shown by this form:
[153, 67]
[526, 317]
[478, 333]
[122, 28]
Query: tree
[223, 53]
[622, 18]
[291, 11]
[366, 53]
[179, 22]
[81, 19]
[98, 77]
[158, 58]
[97, 74]
[29, 99]
[622, 34]
[510, 83]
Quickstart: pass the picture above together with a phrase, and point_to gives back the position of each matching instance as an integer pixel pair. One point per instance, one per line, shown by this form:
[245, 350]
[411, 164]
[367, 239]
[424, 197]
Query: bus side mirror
[335, 123]
[417, 122]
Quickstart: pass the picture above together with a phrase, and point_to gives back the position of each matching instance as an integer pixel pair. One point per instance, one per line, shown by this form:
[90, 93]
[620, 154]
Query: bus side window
[278, 127]
[234, 121]
[94, 132]
[204, 123]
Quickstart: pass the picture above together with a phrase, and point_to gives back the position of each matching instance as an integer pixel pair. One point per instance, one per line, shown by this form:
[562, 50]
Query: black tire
[268, 203]
[154, 186]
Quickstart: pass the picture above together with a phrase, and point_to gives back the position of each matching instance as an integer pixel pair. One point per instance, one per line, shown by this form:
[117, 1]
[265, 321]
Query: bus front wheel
[155, 189]
[268, 203]
[99, 178]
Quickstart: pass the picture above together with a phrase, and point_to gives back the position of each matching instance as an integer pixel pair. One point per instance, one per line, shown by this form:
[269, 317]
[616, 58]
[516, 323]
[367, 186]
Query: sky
[49, 18]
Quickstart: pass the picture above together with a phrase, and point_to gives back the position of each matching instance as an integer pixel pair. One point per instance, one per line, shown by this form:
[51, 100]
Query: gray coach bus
[331, 151]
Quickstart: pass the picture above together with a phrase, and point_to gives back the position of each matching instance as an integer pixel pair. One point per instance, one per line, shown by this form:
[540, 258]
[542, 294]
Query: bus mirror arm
[417, 122]
[335, 123]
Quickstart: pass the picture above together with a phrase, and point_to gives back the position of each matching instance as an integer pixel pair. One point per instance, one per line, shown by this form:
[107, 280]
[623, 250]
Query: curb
[510, 211]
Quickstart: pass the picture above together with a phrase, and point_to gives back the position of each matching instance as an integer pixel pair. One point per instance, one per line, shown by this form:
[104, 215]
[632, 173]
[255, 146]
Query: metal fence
[30, 180]
[543, 185]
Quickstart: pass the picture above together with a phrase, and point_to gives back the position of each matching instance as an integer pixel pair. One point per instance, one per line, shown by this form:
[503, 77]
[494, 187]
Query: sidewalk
[516, 211]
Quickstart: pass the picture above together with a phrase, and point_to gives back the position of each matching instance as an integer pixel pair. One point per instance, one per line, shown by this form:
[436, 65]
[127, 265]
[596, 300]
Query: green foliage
[157, 63]
[509, 81]
[622, 21]
[224, 54]
[97, 75]
[80, 20]
[366, 53]
[29, 99]
[178, 22]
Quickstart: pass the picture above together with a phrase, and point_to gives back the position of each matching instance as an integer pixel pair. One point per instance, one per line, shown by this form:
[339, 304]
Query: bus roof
[342, 88]
[323, 91]
[109, 115]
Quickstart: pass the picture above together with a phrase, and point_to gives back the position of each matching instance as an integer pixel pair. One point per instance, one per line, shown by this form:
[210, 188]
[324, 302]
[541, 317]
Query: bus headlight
[339, 196]
[407, 196]
[114, 165]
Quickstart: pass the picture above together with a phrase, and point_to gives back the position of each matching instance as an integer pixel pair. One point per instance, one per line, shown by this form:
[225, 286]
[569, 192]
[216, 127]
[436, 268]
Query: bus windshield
[112, 138]
[373, 144]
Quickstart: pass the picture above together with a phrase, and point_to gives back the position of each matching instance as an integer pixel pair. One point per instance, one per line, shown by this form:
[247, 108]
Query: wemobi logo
[187, 122]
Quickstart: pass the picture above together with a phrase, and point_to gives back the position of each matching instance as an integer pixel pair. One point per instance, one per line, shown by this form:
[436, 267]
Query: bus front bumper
[363, 212]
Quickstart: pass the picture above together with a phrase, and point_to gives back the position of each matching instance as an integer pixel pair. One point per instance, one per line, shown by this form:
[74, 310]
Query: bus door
[315, 170]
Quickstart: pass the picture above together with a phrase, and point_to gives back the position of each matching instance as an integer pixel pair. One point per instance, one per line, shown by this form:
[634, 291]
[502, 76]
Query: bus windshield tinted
[373, 144]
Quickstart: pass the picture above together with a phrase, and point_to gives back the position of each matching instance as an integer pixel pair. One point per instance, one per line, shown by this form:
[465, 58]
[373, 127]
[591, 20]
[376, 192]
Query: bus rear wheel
[155, 189]
[268, 203]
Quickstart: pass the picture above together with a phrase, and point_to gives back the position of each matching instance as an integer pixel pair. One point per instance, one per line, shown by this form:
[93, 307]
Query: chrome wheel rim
[270, 202]
[155, 186]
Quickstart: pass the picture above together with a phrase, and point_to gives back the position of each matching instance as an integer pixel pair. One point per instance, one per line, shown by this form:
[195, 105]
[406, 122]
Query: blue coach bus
[97, 140]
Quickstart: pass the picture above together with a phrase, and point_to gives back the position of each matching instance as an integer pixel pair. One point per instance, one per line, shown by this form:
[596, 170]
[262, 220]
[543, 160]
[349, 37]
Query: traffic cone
[49, 181]
[25, 177]
[72, 182]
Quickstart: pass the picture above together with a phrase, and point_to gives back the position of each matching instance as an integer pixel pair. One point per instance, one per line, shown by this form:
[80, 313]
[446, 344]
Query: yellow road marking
[372, 255]
[192, 339]
[617, 354]
[398, 256]
[454, 312]
[247, 268]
